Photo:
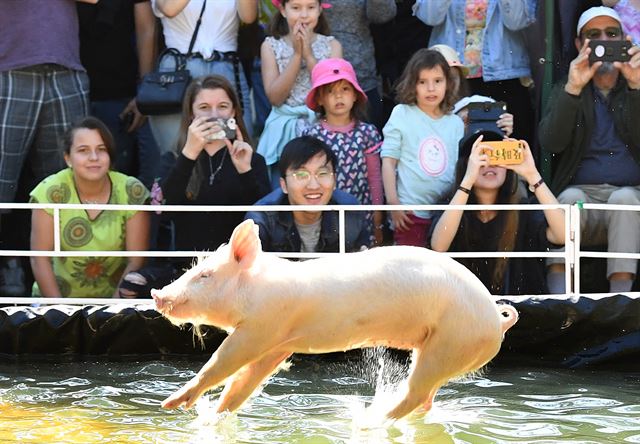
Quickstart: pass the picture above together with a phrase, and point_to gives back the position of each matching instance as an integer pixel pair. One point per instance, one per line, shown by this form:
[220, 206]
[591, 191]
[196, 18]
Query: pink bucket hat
[328, 71]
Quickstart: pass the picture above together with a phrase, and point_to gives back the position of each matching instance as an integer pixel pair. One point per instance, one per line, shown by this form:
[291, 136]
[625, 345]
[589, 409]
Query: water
[317, 401]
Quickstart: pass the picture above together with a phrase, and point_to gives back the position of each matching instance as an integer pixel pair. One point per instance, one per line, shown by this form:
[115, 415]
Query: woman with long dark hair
[478, 182]
[211, 169]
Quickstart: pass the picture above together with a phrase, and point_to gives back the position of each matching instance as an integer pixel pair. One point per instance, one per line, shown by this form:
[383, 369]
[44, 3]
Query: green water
[317, 401]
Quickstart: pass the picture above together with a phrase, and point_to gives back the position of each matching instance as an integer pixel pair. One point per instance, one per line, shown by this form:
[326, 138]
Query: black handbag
[162, 92]
[483, 117]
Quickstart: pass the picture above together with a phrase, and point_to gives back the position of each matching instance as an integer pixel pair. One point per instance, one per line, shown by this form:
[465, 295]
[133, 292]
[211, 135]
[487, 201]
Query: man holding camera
[592, 129]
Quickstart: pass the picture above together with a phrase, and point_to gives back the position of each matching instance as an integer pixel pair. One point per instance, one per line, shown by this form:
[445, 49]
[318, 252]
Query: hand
[297, 39]
[138, 119]
[631, 69]
[305, 39]
[580, 73]
[477, 159]
[241, 153]
[401, 220]
[527, 168]
[197, 136]
[505, 123]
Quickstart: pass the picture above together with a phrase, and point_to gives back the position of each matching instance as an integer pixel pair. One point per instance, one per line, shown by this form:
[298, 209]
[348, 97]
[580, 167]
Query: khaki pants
[619, 230]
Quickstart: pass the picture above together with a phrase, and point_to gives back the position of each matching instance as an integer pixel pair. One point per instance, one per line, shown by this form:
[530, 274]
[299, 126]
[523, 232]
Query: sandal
[138, 284]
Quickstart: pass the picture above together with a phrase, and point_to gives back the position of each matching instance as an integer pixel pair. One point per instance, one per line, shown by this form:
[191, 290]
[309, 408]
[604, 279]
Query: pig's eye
[204, 275]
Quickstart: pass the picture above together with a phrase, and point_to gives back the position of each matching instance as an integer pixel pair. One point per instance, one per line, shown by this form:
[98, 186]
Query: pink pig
[402, 297]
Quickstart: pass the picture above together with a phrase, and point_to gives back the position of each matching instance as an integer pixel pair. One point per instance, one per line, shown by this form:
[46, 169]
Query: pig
[403, 297]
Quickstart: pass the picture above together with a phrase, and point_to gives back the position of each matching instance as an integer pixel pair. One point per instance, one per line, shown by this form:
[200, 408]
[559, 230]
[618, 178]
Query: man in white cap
[592, 129]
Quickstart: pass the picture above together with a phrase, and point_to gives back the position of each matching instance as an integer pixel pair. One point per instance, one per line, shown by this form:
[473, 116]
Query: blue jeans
[261, 103]
[166, 128]
[138, 152]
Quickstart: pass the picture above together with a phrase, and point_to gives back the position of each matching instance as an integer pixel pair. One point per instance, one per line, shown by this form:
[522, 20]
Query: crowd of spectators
[368, 102]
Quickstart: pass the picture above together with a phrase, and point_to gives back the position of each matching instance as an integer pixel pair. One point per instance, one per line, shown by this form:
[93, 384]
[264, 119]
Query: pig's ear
[245, 243]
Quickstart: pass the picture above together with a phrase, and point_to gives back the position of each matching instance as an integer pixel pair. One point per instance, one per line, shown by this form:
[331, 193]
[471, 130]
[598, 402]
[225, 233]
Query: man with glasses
[307, 177]
[592, 129]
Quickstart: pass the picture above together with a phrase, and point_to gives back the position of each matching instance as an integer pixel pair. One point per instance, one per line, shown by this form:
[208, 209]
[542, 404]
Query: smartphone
[483, 116]
[228, 130]
[505, 152]
[609, 51]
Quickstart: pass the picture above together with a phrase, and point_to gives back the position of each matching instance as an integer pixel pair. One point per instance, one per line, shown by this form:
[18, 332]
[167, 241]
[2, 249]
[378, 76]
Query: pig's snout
[164, 303]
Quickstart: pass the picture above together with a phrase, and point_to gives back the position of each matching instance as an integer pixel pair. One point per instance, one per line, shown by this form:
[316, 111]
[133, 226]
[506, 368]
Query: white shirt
[218, 30]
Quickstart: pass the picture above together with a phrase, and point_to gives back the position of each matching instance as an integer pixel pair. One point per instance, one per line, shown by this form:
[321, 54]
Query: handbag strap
[195, 31]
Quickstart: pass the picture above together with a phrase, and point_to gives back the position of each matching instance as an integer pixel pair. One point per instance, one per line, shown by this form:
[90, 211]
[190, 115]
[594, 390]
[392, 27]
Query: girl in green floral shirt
[89, 153]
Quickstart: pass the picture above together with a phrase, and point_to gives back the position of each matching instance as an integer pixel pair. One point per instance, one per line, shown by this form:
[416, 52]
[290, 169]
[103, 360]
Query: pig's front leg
[245, 382]
[237, 350]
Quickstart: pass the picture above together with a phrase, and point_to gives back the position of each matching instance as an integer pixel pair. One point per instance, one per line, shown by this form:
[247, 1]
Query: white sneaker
[12, 279]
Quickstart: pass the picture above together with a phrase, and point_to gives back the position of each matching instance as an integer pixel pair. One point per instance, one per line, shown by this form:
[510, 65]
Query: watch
[535, 186]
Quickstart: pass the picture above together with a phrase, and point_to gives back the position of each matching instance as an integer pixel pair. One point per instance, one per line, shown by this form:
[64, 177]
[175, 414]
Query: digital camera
[227, 128]
[609, 51]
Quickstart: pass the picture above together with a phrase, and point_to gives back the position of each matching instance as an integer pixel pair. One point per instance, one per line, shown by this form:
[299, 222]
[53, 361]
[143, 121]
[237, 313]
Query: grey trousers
[619, 230]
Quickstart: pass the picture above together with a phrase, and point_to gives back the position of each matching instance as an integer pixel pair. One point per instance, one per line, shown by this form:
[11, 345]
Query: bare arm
[389, 165]
[555, 218]
[171, 8]
[42, 239]
[278, 85]
[336, 50]
[137, 239]
[93, 2]
[445, 230]
[247, 10]
[400, 218]
[145, 23]
[609, 3]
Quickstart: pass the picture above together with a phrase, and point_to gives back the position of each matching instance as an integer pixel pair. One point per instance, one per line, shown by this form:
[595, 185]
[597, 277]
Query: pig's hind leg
[242, 385]
[433, 364]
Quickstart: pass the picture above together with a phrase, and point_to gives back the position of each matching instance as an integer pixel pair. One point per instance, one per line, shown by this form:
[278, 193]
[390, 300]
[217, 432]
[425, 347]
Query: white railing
[571, 254]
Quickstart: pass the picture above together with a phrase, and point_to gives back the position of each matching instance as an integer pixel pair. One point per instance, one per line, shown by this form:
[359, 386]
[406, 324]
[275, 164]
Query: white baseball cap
[466, 101]
[596, 11]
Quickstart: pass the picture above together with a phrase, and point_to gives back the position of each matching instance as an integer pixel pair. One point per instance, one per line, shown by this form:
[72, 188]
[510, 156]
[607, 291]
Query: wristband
[536, 185]
[464, 190]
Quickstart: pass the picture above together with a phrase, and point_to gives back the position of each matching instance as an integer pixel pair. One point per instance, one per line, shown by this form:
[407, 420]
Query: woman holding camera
[480, 182]
[213, 167]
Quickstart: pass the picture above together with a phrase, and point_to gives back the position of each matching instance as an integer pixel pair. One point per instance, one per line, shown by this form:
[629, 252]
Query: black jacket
[566, 128]
[278, 232]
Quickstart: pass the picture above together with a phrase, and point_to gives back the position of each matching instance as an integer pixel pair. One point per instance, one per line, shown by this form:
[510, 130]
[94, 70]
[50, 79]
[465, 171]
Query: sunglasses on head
[611, 32]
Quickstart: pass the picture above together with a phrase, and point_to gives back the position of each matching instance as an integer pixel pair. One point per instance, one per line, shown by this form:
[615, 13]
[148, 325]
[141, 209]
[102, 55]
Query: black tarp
[574, 333]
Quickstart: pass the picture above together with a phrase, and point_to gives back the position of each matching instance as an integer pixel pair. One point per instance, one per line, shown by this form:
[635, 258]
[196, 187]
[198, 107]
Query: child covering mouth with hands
[299, 39]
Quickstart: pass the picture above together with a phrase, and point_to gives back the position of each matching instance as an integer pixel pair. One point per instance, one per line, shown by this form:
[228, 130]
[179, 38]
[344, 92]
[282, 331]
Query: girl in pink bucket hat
[340, 103]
